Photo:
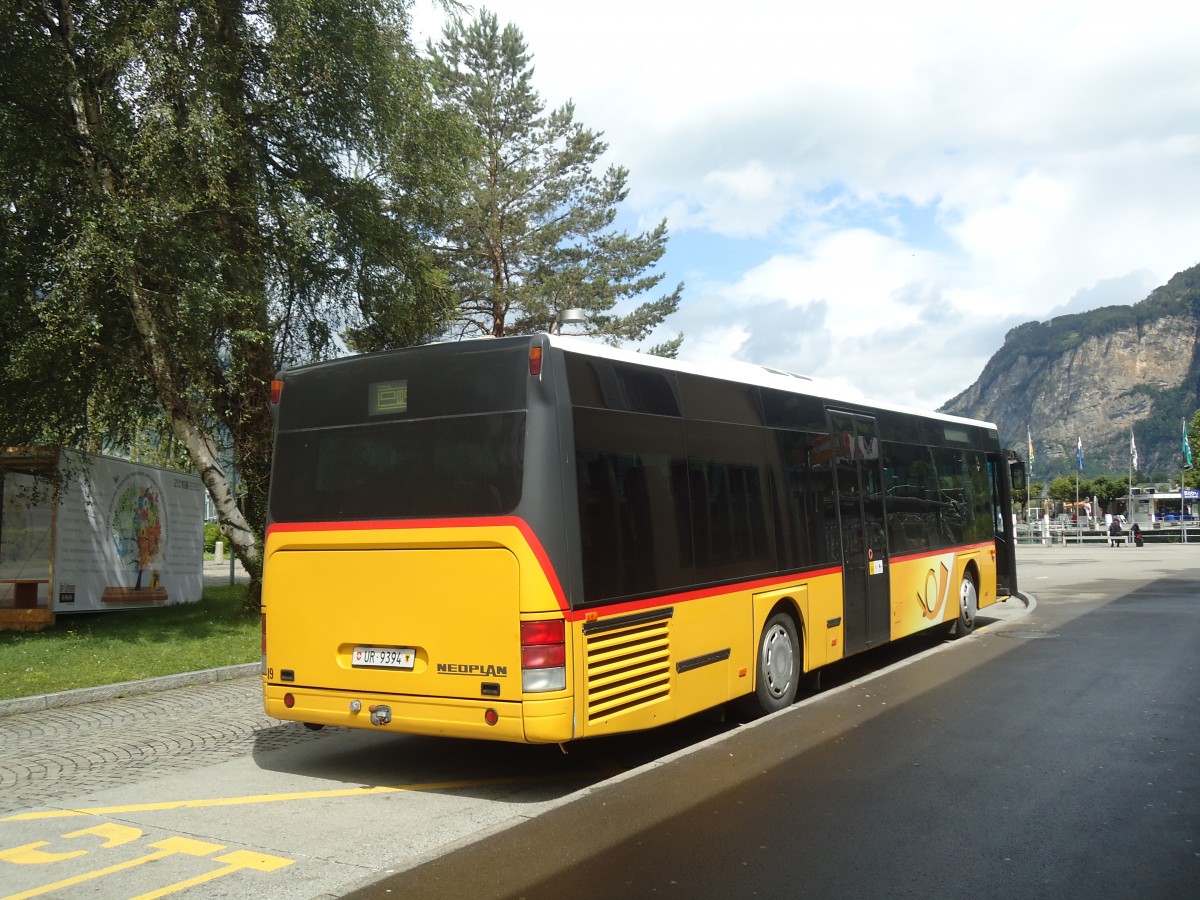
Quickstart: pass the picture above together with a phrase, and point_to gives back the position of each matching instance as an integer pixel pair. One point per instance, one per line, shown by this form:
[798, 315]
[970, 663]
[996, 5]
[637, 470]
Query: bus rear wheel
[778, 667]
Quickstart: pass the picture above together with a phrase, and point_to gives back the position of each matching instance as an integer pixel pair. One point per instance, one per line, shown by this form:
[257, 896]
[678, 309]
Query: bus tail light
[535, 360]
[544, 656]
[264, 643]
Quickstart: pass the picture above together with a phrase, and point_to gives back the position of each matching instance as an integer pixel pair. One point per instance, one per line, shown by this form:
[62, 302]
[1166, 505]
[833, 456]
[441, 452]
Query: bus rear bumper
[534, 722]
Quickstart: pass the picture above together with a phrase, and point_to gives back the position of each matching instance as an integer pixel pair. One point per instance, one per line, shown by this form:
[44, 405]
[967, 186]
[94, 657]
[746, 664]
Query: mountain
[1093, 377]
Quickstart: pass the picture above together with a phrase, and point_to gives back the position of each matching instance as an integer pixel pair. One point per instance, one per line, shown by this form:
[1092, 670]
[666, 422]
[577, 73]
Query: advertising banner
[121, 535]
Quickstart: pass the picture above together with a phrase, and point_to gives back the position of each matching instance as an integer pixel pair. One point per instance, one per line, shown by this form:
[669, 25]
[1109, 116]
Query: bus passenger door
[866, 595]
[1008, 480]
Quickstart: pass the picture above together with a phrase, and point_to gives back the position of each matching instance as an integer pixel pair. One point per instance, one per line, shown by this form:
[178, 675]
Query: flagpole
[1182, 507]
[1029, 479]
[1079, 525]
[1079, 456]
[1187, 464]
[1187, 454]
[1132, 454]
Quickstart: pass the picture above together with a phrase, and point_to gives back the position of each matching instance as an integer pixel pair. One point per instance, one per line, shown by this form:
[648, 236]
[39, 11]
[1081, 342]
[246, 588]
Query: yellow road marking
[256, 798]
[29, 854]
[114, 834]
[166, 848]
[234, 862]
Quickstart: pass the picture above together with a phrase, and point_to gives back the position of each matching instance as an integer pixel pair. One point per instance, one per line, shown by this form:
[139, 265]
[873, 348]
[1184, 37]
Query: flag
[1132, 451]
[1187, 448]
[1079, 452]
[1029, 435]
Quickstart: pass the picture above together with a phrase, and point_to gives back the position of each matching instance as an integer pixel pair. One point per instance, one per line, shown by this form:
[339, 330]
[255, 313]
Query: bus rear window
[428, 432]
[430, 468]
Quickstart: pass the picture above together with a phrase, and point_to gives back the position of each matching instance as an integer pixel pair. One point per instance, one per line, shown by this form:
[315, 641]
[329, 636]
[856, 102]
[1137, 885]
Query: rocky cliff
[1095, 376]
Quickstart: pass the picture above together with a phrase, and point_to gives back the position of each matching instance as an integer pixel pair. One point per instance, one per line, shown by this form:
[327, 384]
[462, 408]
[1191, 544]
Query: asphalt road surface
[1052, 754]
[1056, 756]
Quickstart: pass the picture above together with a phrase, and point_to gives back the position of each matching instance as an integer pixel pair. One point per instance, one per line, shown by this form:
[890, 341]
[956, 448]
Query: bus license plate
[383, 657]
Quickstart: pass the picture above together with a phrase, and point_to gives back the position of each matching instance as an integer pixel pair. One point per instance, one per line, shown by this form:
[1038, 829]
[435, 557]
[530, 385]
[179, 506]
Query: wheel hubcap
[778, 661]
[969, 601]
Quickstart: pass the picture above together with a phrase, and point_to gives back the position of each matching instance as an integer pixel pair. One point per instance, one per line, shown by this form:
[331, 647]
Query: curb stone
[125, 689]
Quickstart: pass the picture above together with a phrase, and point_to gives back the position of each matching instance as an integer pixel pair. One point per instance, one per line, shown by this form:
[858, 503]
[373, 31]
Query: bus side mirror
[1016, 473]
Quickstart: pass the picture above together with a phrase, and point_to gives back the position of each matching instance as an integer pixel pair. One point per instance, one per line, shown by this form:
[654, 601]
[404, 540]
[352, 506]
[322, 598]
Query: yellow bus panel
[925, 587]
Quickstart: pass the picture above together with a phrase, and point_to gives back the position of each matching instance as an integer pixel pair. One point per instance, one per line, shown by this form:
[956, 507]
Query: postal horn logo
[937, 591]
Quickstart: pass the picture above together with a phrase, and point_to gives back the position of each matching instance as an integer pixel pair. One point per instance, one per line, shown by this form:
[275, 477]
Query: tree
[1107, 490]
[1064, 490]
[534, 234]
[195, 193]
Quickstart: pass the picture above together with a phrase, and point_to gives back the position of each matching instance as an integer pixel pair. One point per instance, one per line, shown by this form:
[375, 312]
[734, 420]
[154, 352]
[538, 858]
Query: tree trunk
[87, 113]
[201, 448]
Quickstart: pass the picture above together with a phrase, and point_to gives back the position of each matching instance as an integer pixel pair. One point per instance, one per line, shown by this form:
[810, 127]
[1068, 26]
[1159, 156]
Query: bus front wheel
[778, 667]
[968, 608]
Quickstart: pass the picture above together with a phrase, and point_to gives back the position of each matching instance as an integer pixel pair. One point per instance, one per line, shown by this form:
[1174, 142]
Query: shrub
[212, 534]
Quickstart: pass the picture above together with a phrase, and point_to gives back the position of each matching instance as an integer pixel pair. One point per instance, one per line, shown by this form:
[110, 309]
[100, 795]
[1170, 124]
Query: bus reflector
[276, 391]
[535, 360]
[544, 631]
[544, 655]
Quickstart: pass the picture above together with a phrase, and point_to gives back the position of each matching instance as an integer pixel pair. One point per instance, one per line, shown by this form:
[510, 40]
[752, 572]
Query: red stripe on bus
[614, 609]
[601, 611]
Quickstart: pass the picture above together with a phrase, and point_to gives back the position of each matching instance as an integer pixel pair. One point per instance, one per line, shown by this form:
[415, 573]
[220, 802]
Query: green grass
[103, 648]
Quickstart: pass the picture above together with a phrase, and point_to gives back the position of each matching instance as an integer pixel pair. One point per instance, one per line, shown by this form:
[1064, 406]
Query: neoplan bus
[539, 539]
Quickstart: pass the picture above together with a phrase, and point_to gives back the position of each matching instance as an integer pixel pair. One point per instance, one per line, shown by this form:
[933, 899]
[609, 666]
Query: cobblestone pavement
[52, 753]
[47, 754]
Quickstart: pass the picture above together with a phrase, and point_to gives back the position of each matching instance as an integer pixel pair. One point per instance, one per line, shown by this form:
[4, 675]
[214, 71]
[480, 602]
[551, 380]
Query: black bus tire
[777, 667]
[968, 607]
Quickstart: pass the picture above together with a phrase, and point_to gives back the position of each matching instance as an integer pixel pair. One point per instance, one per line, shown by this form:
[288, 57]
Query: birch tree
[197, 192]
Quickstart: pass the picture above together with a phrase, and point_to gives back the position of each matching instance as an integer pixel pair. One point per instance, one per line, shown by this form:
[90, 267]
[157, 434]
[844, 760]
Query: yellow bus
[539, 539]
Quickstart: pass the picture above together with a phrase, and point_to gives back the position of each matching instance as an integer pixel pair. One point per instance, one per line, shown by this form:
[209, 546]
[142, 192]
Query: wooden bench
[25, 591]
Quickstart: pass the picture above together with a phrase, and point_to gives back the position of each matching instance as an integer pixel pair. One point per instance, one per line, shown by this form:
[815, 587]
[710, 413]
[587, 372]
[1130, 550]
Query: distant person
[1114, 534]
[1136, 534]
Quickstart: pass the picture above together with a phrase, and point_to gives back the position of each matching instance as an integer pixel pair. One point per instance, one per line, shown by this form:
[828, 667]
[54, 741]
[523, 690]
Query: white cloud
[879, 191]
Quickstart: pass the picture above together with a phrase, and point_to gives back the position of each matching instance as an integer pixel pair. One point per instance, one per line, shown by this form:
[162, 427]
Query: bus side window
[634, 524]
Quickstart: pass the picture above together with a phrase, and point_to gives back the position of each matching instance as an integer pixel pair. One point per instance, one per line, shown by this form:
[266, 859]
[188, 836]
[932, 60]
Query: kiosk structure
[86, 533]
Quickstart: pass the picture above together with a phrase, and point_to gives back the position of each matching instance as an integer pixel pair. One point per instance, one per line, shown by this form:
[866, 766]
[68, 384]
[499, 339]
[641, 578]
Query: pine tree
[535, 235]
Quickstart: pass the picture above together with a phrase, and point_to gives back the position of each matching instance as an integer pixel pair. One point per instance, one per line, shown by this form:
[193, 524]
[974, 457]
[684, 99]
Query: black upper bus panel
[437, 380]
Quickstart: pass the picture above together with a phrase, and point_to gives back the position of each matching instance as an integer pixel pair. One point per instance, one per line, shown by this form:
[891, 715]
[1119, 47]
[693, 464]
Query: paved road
[196, 790]
[1058, 757]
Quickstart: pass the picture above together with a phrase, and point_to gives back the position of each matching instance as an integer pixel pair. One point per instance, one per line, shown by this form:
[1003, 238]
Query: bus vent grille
[628, 668]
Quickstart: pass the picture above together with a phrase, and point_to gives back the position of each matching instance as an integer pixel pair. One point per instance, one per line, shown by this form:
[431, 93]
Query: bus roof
[729, 370]
[749, 373]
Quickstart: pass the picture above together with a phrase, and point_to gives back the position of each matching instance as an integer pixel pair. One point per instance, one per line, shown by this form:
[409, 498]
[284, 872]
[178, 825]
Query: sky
[874, 193]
